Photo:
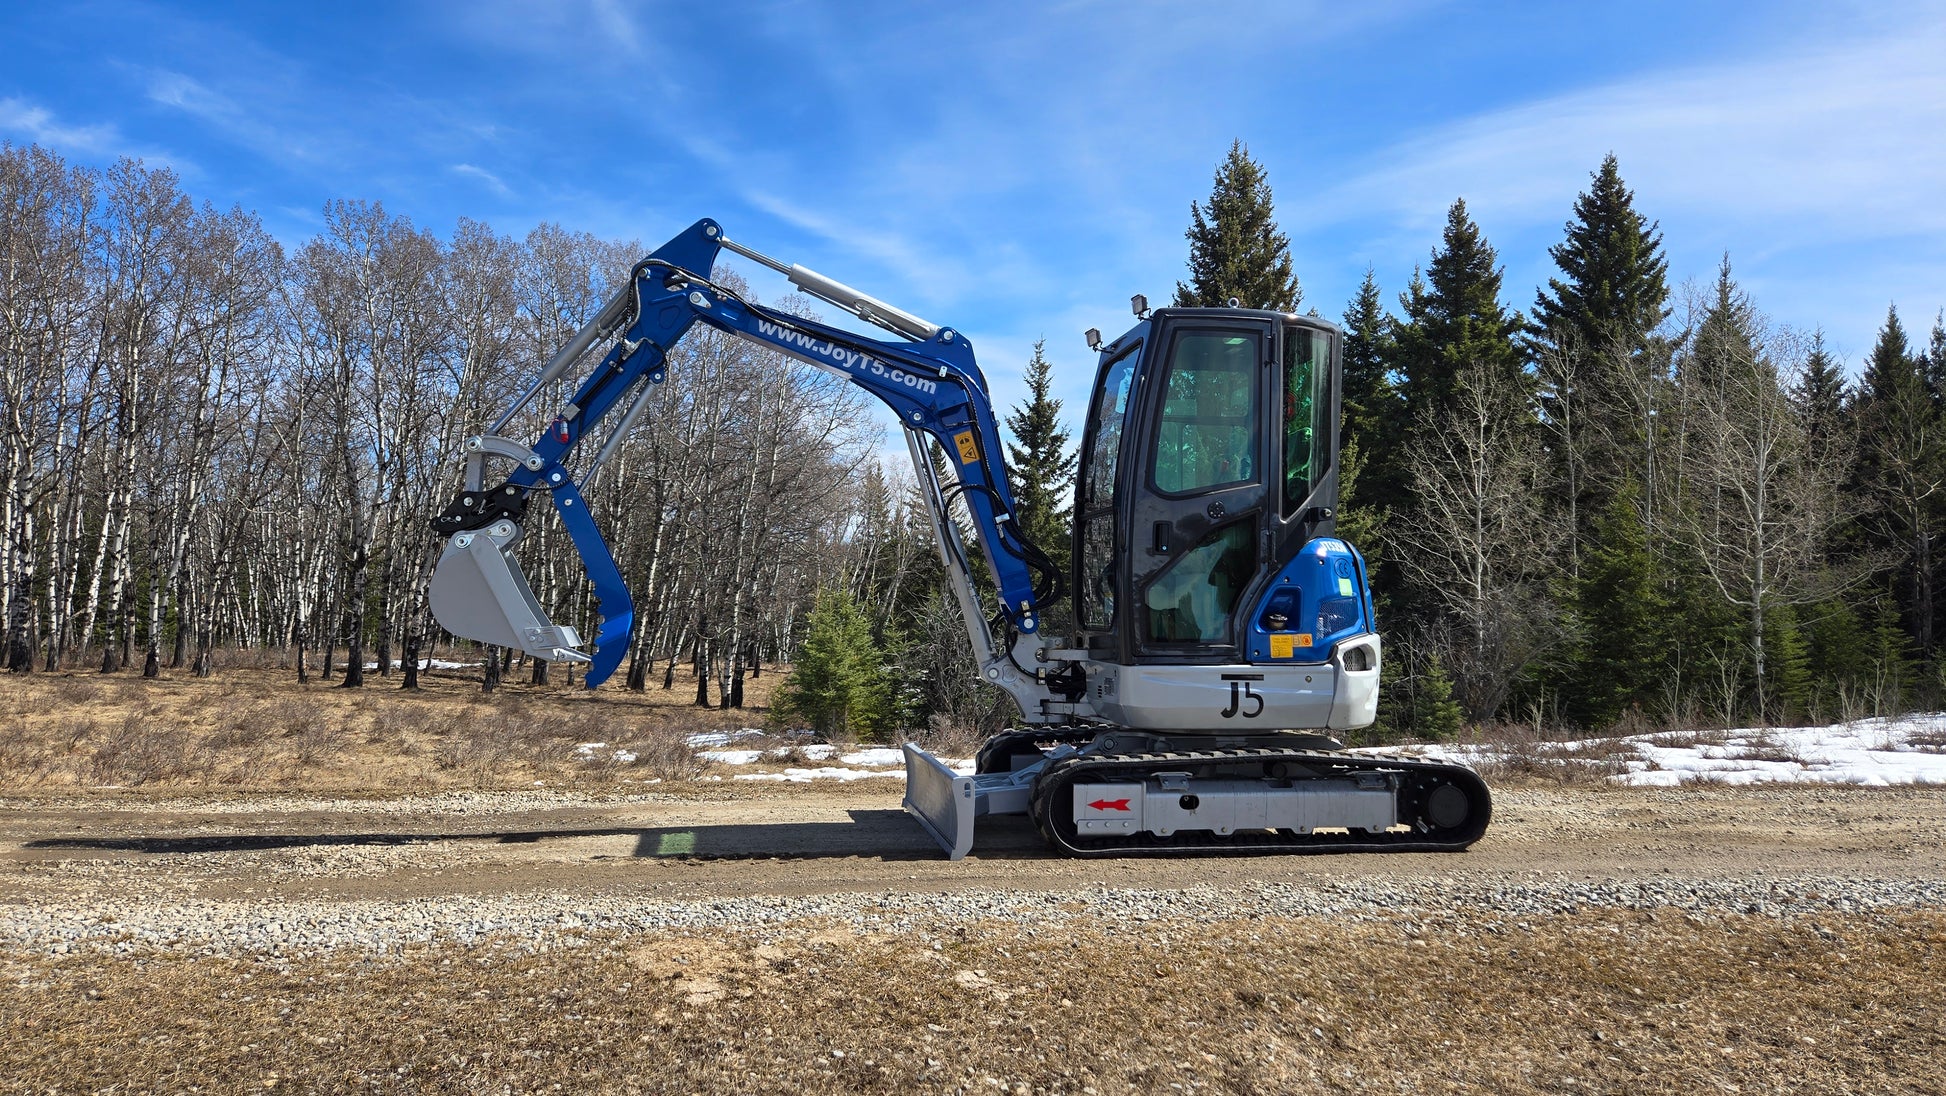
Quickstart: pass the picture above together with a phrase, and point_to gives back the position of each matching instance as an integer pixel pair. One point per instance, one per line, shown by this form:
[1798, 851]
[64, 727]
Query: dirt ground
[744, 838]
[748, 936]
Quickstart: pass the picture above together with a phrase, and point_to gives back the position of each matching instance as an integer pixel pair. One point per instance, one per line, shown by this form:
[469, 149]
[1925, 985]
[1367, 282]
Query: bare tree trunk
[701, 663]
[411, 661]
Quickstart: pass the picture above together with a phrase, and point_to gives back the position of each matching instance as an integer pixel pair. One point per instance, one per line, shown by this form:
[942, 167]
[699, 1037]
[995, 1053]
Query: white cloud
[229, 117]
[492, 181]
[616, 22]
[39, 125]
[1836, 142]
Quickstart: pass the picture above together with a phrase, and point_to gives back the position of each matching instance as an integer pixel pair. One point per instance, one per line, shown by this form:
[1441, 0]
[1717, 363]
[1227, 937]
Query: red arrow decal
[1110, 804]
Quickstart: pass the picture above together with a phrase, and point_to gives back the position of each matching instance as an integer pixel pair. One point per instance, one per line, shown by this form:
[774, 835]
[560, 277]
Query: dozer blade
[942, 800]
[478, 592]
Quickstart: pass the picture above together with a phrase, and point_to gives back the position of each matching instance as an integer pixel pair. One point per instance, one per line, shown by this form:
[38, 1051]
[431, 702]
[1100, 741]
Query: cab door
[1201, 477]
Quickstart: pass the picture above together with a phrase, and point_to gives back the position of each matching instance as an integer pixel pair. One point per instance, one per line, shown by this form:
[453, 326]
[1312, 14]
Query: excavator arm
[929, 379]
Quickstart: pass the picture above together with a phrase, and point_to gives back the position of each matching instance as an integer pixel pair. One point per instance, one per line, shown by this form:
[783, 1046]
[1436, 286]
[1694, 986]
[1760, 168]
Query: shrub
[837, 682]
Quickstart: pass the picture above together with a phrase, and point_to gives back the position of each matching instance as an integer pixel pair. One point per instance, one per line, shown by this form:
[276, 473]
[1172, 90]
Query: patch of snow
[1875, 752]
[591, 751]
[875, 757]
[720, 738]
[779, 753]
[805, 776]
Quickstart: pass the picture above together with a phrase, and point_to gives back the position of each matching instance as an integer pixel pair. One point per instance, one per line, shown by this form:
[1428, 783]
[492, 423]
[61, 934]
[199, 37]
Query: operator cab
[1208, 463]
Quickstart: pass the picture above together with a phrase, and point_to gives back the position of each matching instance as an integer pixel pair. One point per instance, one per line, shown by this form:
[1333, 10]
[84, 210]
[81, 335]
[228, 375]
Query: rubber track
[1053, 813]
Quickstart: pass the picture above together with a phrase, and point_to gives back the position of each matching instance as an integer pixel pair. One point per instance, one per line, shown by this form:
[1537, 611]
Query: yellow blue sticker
[1344, 587]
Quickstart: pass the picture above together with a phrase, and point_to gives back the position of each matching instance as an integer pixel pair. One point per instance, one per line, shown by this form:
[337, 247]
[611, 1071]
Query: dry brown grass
[1927, 741]
[259, 728]
[1605, 1001]
[1523, 755]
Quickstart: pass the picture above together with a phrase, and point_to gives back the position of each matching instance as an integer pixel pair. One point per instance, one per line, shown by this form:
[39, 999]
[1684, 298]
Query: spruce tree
[1893, 666]
[1787, 665]
[1618, 599]
[1901, 462]
[1839, 655]
[1369, 398]
[1615, 288]
[1587, 338]
[837, 681]
[1890, 366]
[1725, 341]
[1454, 321]
[1235, 249]
[1935, 358]
[1371, 466]
[1041, 462]
[1435, 714]
[1453, 324]
[1821, 391]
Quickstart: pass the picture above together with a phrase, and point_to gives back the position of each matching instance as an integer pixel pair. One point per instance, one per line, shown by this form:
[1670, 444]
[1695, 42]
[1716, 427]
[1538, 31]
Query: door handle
[1159, 545]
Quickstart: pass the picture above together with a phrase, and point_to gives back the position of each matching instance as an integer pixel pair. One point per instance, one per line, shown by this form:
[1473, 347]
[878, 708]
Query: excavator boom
[930, 381]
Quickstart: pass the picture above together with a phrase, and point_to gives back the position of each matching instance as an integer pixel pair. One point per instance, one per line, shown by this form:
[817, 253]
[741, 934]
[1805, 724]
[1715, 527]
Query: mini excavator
[1224, 635]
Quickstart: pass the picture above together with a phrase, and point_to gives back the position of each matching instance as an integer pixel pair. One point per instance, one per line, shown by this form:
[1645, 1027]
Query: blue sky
[1018, 170]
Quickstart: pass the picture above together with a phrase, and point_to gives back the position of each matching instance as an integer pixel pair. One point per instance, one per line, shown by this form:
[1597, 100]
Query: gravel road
[293, 875]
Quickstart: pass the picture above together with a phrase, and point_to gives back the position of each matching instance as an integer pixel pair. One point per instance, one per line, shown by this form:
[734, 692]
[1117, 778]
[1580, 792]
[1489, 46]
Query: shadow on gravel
[880, 834]
[883, 834]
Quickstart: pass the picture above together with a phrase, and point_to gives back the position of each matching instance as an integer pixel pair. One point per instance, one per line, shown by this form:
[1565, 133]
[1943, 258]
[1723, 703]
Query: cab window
[1307, 431]
[1192, 601]
[1206, 436]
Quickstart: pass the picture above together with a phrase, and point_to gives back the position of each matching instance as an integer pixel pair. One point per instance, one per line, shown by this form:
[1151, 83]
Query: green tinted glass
[1307, 368]
[1111, 409]
[1192, 601]
[1209, 412]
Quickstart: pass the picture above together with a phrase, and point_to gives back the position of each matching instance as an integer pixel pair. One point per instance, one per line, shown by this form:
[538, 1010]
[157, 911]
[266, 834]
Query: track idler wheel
[1453, 807]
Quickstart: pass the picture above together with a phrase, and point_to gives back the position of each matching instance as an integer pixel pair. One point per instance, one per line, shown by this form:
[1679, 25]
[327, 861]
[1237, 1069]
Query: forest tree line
[211, 444]
[1634, 503]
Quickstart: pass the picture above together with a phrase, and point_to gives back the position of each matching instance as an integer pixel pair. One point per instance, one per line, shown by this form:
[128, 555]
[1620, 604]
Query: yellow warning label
[969, 450]
[1283, 645]
[1344, 587]
[1303, 639]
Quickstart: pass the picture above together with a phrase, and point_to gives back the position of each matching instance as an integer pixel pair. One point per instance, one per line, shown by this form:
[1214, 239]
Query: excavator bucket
[942, 800]
[478, 591]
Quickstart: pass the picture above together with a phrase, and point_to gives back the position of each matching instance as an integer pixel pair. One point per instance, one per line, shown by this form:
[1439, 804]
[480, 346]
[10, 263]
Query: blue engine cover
[1318, 599]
